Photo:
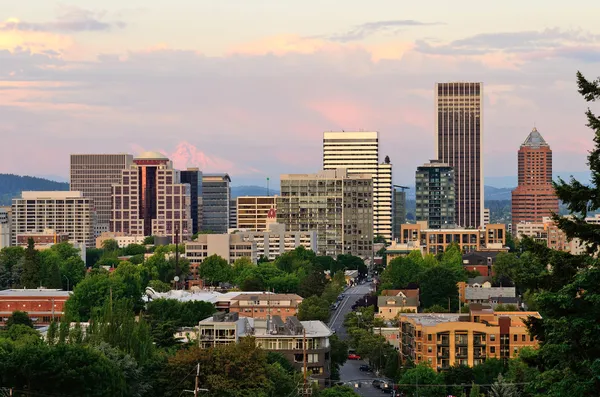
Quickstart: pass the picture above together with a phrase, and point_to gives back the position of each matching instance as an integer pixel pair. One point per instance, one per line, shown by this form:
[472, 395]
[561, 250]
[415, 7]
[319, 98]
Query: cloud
[365, 30]
[71, 20]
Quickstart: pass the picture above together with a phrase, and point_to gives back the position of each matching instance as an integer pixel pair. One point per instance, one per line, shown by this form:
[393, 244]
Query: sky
[248, 87]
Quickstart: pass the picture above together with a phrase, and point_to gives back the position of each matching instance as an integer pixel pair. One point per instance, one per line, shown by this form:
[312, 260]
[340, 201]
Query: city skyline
[101, 78]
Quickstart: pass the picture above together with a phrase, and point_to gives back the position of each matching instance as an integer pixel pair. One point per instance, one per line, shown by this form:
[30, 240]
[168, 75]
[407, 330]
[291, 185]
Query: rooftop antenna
[268, 191]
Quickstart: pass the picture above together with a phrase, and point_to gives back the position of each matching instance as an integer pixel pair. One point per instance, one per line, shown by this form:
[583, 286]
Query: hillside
[11, 186]
[239, 191]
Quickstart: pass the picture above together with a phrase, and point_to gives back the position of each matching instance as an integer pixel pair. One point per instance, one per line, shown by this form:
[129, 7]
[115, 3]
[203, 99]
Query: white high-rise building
[5, 227]
[358, 152]
[64, 212]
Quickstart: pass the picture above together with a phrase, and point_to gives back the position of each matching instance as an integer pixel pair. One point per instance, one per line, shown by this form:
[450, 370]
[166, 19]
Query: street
[350, 371]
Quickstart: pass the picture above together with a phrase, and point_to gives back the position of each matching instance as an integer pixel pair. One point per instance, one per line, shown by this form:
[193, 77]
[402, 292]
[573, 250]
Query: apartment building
[253, 212]
[358, 152]
[446, 339]
[150, 200]
[459, 143]
[434, 241]
[399, 215]
[265, 305]
[216, 196]
[435, 197]
[193, 177]
[5, 227]
[334, 203]
[64, 212]
[545, 232]
[94, 175]
[122, 239]
[41, 305]
[287, 337]
[228, 246]
[276, 241]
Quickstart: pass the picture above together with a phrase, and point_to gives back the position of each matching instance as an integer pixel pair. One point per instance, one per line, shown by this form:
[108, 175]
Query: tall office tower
[232, 214]
[253, 212]
[334, 203]
[216, 193]
[193, 177]
[5, 227]
[399, 216]
[459, 143]
[534, 198]
[63, 212]
[150, 200]
[94, 175]
[435, 184]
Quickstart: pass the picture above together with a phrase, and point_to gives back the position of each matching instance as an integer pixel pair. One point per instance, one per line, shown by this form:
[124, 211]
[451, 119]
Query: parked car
[377, 383]
[353, 356]
[365, 368]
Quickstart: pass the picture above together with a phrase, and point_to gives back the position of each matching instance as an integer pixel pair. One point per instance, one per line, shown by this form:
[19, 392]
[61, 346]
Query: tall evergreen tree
[30, 278]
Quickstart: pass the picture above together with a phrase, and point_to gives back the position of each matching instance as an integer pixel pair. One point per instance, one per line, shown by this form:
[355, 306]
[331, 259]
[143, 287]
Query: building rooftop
[431, 319]
[61, 195]
[478, 293]
[38, 293]
[243, 296]
[151, 156]
[314, 329]
[535, 140]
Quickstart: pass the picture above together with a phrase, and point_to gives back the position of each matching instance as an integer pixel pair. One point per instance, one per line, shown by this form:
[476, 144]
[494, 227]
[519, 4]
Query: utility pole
[177, 269]
[306, 389]
[197, 380]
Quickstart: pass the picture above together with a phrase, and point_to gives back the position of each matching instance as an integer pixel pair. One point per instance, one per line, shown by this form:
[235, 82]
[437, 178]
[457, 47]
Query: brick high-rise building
[459, 143]
[534, 198]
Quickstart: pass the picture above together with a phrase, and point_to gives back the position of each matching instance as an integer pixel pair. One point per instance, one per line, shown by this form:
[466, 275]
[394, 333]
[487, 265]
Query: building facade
[263, 306]
[252, 212]
[150, 200]
[122, 239]
[228, 246]
[43, 238]
[435, 195]
[358, 152]
[193, 177]
[232, 214]
[534, 198]
[399, 215]
[335, 204]
[64, 212]
[216, 196]
[459, 133]
[443, 340]
[5, 227]
[392, 303]
[276, 241]
[94, 175]
[41, 305]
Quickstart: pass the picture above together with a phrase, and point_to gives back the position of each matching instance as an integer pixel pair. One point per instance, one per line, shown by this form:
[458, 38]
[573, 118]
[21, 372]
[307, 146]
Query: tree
[438, 287]
[134, 249]
[339, 355]
[422, 374]
[458, 375]
[149, 240]
[72, 271]
[92, 293]
[501, 389]
[242, 269]
[50, 273]
[475, 390]
[401, 271]
[313, 284]
[313, 308]
[181, 314]
[159, 286]
[252, 284]
[338, 391]
[214, 270]
[30, 278]
[11, 259]
[506, 308]
[110, 245]
[19, 318]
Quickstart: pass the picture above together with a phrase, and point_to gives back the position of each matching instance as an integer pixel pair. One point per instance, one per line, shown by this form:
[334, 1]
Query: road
[350, 371]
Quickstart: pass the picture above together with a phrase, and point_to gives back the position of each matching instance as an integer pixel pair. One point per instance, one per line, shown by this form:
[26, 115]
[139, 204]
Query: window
[429, 338]
[523, 338]
[515, 338]
[492, 349]
[429, 349]
[492, 338]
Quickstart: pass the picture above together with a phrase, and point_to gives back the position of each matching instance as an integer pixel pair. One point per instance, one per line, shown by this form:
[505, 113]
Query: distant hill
[239, 191]
[494, 193]
[11, 186]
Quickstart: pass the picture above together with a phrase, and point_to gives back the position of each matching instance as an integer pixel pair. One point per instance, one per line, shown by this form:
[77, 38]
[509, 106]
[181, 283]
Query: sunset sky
[249, 86]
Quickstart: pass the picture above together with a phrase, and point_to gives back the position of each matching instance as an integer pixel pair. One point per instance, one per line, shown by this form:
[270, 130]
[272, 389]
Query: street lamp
[67, 278]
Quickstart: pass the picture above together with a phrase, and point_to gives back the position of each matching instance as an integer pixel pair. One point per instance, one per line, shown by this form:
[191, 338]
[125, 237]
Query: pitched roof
[535, 140]
[476, 293]
[385, 301]
[409, 293]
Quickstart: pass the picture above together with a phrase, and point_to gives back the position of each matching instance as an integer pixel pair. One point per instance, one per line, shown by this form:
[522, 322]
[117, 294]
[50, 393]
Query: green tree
[10, 258]
[475, 390]
[92, 293]
[181, 314]
[52, 335]
[159, 286]
[401, 271]
[422, 374]
[313, 308]
[30, 278]
[506, 308]
[458, 375]
[253, 283]
[313, 284]
[487, 372]
[438, 287]
[214, 270]
[72, 271]
[149, 240]
[502, 389]
[339, 355]
[50, 272]
[110, 245]
[19, 318]
[242, 269]
[338, 391]
[134, 249]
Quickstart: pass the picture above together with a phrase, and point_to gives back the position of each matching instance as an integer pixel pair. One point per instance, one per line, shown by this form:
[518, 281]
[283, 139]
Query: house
[480, 290]
[393, 302]
[261, 305]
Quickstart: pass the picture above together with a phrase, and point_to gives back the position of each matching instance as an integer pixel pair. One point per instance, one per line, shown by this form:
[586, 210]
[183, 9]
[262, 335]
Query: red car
[353, 356]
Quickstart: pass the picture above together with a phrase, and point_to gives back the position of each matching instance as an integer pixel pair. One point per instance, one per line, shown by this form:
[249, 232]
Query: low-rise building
[228, 246]
[474, 291]
[286, 337]
[42, 305]
[446, 339]
[5, 227]
[265, 305]
[122, 239]
[42, 239]
[392, 303]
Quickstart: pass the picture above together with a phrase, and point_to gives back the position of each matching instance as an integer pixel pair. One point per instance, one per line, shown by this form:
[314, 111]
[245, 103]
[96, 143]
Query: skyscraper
[216, 195]
[193, 177]
[534, 198]
[94, 175]
[358, 152]
[459, 143]
[399, 215]
[435, 201]
[150, 200]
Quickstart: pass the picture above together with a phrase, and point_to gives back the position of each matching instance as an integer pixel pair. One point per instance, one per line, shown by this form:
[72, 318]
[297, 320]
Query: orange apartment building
[434, 241]
[445, 339]
[42, 305]
[262, 305]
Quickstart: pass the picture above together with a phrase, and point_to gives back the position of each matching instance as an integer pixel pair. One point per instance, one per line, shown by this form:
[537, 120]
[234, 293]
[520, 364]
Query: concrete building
[391, 303]
[358, 152]
[64, 212]
[150, 200]
[434, 241]
[228, 246]
[459, 143]
[486, 217]
[94, 175]
[545, 232]
[534, 198]
[216, 196]
[448, 339]
[122, 239]
[42, 305]
[5, 227]
[263, 305]
[435, 195]
[193, 177]
[43, 238]
[252, 212]
[286, 337]
[399, 215]
[232, 214]
[335, 204]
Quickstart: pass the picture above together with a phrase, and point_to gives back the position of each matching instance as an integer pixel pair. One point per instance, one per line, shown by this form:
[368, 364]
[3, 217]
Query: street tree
[214, 270]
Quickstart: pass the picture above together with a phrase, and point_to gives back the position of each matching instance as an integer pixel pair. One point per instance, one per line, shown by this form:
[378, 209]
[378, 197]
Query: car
[365, 368]
[353, 356]
[377, 383]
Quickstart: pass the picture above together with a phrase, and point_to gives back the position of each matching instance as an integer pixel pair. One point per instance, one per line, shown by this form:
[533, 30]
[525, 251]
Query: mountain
[11, 186]
[238, 191]
[495, 193]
